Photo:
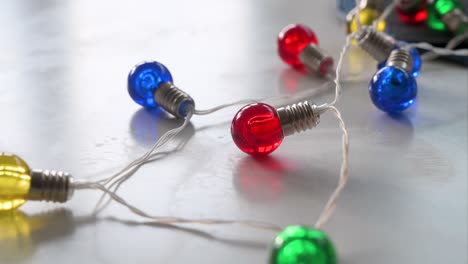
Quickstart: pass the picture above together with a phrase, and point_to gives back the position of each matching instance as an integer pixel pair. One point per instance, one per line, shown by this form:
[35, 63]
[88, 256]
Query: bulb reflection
[20, 234]
[260, 179]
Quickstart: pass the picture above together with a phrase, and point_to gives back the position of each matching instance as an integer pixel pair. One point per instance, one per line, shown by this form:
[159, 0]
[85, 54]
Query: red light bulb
[412, 11]
[298, 47]
[256, 129]
[292, 40]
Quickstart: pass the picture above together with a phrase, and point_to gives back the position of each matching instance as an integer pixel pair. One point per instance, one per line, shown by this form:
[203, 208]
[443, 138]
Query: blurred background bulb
[298, 47]
[291, 42]
[412, 11]
[367, 16]
[439, 9]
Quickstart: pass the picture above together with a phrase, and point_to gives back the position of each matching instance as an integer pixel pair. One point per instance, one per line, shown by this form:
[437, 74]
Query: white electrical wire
[344, 173]
[438, 51]
[451, 45]
[386, 12]
[339, 65]
[169, 219]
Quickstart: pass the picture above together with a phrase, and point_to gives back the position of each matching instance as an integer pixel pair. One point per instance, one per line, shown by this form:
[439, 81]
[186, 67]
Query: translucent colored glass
[439, 8]
[416, 16]
[302, 245]
[367, 16]
[392, 89]
[442, 7]
[15, 181]
[292, 40]
[144, 79]
[256, 129]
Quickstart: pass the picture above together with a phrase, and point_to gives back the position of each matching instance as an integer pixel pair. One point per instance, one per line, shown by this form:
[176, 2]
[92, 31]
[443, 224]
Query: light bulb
[258, 129]
[367, 16]
[18, 183]
[447, 15]
[417, 62]
[298, 47]
[380, 45]
[412, 11]
[301, 244]
[393, 89]
[150, 84]
[144, 79]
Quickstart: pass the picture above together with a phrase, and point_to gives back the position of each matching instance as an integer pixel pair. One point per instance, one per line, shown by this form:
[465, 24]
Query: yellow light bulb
[18, 183]
[15, 181]
[367, 16]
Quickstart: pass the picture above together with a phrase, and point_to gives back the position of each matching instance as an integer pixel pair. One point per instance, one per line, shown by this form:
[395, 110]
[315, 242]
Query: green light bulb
[439, 11]
[302, 245]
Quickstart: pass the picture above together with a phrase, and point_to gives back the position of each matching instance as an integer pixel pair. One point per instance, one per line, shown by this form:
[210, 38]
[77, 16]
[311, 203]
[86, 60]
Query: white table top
[64, 105]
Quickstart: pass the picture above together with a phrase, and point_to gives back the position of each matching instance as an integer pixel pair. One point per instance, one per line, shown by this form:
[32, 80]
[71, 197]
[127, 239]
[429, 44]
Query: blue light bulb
[392, 89]
[143, 81]
[416, 62]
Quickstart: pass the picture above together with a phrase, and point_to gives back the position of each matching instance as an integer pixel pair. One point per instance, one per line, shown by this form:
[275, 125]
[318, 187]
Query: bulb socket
[377, 44]
[298, 117]
[316, 60]
[51, 186]
[401, 58]
[454, 19]
[174, 100]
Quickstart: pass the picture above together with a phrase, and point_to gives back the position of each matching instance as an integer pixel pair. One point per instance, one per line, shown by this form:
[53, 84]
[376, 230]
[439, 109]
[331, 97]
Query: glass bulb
[439, 8]
[292, 40]
[367, 16]
[256, 129]
[15, 181]
[301, 245]
[416, 15]
[392, 89]
[417, 62]
[144, 79]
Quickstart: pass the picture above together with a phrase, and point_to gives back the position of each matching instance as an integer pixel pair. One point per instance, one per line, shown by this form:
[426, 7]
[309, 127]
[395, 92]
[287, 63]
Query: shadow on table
[268, 179]
[391, 130]
[148, 125]
[21, 234]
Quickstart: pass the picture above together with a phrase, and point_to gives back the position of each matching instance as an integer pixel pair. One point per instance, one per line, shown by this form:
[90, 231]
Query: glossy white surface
[64, 105]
